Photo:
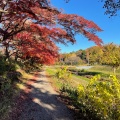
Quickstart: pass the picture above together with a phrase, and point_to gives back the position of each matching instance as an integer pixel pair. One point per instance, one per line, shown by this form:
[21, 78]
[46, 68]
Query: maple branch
[3, 11]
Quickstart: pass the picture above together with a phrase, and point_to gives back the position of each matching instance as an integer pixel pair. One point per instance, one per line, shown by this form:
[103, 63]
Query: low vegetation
[9, 77]
[97, 99]
[13, 76]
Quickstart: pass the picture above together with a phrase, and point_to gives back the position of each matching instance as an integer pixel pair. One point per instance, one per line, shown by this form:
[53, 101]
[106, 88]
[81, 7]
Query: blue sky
[91, 10]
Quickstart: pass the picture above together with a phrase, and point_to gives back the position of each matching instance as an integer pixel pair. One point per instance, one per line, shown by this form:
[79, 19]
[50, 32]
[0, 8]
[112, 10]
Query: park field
[83, 76]
[92, 93]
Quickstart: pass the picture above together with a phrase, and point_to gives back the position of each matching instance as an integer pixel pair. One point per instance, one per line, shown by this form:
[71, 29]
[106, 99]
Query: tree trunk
[6, 54]
[16, 57]
[114, 70]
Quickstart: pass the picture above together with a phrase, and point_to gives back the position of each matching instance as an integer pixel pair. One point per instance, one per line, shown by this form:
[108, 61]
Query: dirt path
[43, 103]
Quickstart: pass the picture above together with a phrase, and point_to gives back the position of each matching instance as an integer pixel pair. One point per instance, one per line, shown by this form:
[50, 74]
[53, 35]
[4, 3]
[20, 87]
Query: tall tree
[39, 20]
[111, 6]
[95, 54]
[111, 55]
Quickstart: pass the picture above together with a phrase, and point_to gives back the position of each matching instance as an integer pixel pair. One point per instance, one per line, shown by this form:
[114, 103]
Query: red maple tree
[31, 28]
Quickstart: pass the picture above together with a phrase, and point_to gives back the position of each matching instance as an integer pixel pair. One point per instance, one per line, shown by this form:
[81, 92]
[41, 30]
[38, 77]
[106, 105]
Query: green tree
[111, 55]
[95, 54]
[82, 54]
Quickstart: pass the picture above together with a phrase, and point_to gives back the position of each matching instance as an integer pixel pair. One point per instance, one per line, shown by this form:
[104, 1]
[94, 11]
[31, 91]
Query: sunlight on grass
[24, 79]
[53, 80]
[25, 75]
[20, 86]
[105, 70]
[74, 82]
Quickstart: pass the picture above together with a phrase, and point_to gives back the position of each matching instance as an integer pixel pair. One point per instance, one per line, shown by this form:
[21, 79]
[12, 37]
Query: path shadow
[38, 103]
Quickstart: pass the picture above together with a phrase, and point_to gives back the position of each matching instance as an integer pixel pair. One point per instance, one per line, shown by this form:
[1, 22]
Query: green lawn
[105, 70]
[75, 79]
[84, 76]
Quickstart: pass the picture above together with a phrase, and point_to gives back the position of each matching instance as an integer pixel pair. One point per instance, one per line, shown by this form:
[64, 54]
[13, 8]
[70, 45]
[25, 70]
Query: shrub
[101, 99]
[83, 70]
[2, 66]
[63, 73]
[5, 86]
[13, 76]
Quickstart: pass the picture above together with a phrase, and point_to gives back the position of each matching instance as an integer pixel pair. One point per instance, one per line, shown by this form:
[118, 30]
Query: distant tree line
[108, 54]
[73, 58]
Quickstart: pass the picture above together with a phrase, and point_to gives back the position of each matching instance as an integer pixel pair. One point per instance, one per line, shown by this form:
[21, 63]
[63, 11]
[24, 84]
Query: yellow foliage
[101, 97]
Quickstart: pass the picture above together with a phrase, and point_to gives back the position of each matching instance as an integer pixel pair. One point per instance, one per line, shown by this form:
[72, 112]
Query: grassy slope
[105, 70]
[7, 104]
[75, 80]
[72, 99]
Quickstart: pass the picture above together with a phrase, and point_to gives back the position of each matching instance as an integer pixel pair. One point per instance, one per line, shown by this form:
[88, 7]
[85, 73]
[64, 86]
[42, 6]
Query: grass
[83, 77]
[7, 103]
[71, 93]
[54, 81]
[67, 91]
[80, 80]
[74, 82]
[105, 70]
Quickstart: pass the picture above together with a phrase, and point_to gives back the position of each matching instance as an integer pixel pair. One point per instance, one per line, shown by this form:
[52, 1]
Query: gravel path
[43, 103]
